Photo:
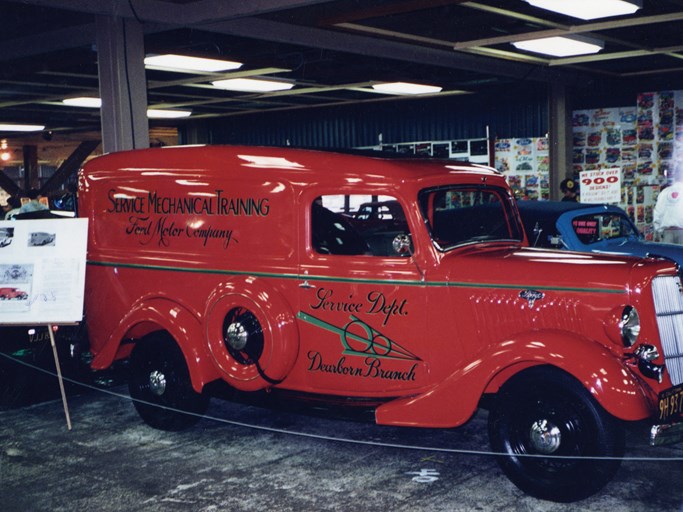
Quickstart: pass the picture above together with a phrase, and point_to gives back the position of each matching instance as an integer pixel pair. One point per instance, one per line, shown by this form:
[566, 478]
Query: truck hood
[643, 248]
[531, 268]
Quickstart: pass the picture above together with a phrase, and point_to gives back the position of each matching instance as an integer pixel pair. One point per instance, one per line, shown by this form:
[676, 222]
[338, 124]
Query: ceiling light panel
[21, 127]
[561, 46]
[155, 113]
[86, 102]
[589, 9]
[405, 88]
[186, 64]
[152, 113]
[252, 85]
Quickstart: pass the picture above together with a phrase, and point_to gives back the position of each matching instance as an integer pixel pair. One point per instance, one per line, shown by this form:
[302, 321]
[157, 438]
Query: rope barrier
[377, 444]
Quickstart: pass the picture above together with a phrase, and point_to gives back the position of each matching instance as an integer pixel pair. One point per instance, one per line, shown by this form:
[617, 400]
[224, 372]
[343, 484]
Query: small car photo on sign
[15, 287]
[6, 236]
[41, 238]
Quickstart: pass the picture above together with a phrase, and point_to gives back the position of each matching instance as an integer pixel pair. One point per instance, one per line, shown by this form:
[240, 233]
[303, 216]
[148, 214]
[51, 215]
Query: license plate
[671, 404]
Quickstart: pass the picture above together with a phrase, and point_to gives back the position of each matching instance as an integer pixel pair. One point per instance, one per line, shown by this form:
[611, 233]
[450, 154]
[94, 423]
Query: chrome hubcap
[236, 336]
[545, 436]
[157, 383]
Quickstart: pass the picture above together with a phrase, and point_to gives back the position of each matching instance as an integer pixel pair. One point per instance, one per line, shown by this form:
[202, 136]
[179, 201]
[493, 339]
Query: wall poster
[641, 140]
[42, 271]
[526, 165]
[476, 151]
[601, 186]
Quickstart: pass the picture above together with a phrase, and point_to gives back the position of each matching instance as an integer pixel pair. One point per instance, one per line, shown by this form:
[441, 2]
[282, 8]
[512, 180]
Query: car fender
[160, 313]
[453, 401]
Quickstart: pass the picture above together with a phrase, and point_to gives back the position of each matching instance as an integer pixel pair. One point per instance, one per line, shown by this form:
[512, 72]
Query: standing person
[667, 216]
[570, 189]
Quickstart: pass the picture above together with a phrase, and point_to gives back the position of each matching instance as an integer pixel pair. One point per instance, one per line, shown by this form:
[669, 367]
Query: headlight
[629, 326]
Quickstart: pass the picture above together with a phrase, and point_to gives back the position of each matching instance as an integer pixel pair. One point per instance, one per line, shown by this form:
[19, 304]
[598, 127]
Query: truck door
[361, 302]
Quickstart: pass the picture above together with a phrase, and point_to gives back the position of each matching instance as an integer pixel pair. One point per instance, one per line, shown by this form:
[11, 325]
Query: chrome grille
[668, 297]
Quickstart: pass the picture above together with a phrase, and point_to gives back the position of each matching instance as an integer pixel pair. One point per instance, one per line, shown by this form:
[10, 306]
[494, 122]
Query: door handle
[306, 284]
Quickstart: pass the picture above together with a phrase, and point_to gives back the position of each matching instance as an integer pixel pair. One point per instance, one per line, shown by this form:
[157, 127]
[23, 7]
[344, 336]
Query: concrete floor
[246, 458]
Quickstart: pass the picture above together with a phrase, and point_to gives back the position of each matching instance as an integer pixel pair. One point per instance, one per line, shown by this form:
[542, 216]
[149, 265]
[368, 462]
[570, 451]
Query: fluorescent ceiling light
[152, 113]
[186, 64]
[405, 88]
[252, 85]
[21, 127]
[83, 102]
[155, 113]
[561, 46]
[589, 9]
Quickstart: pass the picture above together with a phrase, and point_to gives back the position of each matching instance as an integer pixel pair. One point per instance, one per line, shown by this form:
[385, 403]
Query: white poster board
[42, 271]
[601, 186]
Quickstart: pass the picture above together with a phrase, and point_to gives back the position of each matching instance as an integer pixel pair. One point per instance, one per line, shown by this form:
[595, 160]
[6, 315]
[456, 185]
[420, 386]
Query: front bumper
[666, 434]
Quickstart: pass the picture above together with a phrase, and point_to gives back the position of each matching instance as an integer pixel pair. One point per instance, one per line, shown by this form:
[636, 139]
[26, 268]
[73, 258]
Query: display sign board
[601, 186]
[42, 271]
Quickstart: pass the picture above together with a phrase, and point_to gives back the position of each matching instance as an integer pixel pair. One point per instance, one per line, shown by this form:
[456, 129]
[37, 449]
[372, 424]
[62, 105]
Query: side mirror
[402, 244]
[537, 234]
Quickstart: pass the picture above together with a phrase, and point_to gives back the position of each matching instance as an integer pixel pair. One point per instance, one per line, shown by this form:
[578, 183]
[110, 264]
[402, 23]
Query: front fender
[154, 314]
[452, 402]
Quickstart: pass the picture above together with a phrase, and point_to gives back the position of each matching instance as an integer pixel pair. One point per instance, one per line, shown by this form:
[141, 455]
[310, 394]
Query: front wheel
[160, 385]
[560, 444]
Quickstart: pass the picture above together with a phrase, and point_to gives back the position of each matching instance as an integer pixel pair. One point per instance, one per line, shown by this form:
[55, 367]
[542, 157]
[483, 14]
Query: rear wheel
[561, 445]
[160, 385]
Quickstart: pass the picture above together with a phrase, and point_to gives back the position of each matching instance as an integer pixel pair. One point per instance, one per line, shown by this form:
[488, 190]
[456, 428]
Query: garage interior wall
[513, 111]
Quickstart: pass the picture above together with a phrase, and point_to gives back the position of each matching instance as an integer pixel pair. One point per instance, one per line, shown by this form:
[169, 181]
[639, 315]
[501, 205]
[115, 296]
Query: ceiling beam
[563, 30]
[335, 103]
[70, 166]
[359, 12]
[395, 50]
[672, 51]
[206, 77]
[571, 29]
[61, 39]
[159, 11]
[236, 21]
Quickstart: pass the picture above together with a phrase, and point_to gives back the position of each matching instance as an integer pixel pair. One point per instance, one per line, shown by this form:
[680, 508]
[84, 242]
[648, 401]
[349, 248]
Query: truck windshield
[467, 214]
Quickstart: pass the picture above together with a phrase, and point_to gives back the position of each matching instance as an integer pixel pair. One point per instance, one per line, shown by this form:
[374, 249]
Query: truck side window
[357, 225]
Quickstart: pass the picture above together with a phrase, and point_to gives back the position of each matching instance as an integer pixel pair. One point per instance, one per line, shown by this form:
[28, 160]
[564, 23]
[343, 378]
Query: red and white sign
[601, 186]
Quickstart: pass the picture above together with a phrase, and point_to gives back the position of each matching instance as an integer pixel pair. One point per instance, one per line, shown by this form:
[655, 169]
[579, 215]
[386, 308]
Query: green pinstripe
[333, 279]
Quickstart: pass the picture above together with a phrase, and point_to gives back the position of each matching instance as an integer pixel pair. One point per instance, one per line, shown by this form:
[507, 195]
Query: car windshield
[466, 214]
[598, 227]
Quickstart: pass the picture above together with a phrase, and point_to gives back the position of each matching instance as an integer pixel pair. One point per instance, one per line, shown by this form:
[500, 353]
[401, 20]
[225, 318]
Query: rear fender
[454, 401]
[155, 314]
[280, 335]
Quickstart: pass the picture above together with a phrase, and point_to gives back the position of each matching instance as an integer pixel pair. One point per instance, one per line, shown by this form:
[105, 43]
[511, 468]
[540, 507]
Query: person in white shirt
[667, 216]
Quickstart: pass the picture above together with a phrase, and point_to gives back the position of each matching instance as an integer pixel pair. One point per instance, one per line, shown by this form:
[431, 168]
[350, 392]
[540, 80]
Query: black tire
[160, 385]
[544, 411]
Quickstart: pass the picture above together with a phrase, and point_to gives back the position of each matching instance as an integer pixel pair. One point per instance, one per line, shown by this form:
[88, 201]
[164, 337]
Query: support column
[123, 89]
[560, 138]
[31, 178]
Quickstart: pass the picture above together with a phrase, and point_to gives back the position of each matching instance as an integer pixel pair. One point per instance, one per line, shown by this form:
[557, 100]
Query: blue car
[589, 228]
